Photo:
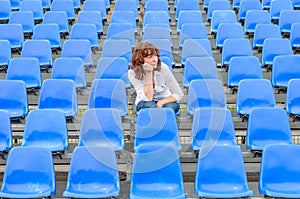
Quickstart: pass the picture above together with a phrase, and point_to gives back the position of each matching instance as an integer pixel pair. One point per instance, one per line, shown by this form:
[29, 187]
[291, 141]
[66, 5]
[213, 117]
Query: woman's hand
[147, 67]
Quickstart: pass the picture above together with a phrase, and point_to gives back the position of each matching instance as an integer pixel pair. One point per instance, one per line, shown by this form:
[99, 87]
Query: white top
[165, 85]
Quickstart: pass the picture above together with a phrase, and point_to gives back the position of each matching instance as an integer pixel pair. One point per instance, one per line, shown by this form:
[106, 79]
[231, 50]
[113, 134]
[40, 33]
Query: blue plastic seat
[70, 68]
[93, 17]
[5, 10]
[48, 32]
[157, 33]
[25, 18]
[270, 50]
[60, 18]
[216, 5]
[199, 68]
[233, 47]
[157, 126]
[46, 4]
[295, 35]
[6, 139]
[121, 31]
[40, 49]
[157, 16]
[188, 16]
[186, 5]
[108, 93]
[59, 94]
[264, 129]
[266, 4]
[205, 93]
[254, 17]
[13, 98]
[243, 67]
[254, 93]
[277, 6]
[85, 31]
[283, 160]
[221, 173]
[285, 68]
[116, 48]
[102, 127]
[151, 178]
[5, 54]
[287, 18]
[158, 5]
[66, 6]
[27, 70]
[35, 6]
[192, 31]
[34, 169]
[113, 68]
[14, 34]
[46, 128]
[195, 48]
[221, 16]
[246, 5]
[292, 103]
[124, 17]
[212, 126]
[80, 48]
[93, 173]
[98, 5]
[226, 31]
[128, 5]
[296, 4]
[262, 32]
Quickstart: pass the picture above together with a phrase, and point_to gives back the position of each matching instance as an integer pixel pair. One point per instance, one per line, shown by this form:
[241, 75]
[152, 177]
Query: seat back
[188, 16]
[287, 18]
[221, 16]
[277, 6]
[124, 17]
[5, 53]
[116, 48]
[128, 5]
[264, 31]
[156, 16]
[295, 35]
[121, 31]
[157, 33]
[48, 32]
[66, 6]
[186, 5]
[13, 33]
[246, 5]
[192, 31]
[58, 17]
[292, 97]
[23, 17]
[254, 17]
[6, 139]
[93, 17]
[226, 31]
[216, 5]
[5, 9]
[35, 6]
[85, 31]
[98, 5]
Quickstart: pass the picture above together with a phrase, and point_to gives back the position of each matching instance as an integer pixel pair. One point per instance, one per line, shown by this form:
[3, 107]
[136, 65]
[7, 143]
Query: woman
[153, 81]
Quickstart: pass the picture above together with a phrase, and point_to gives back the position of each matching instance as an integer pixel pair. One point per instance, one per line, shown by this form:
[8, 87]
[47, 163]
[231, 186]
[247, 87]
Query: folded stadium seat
[233, 47]
[102, 127]
[216, 5]
[212, 126]
[254, 93]
[14, 34]
[6, 139]
[80, 48]
[254, 17]
[48, 32]
[157, 126]
[226, 31]
[295, 36]
[199, 68]
[60, 18]
[93, 17]
[5, 54]
[86, 31]
[46, 128]
[246, 5]
[221, 16]
[35, 6]
[34, 168]
[242, 67]
[292, 98]
[124, 17]
[66, 6]
[116, 48]
[277, 6]
[151, 170]
[287, 18]
[283, 160]
[25, 18]
[153, 17]
[270, 50]
[188, 16]
[70, 68]
[13, 98]
[27, 70]
[113, 68]
[195, 48]
[158, 5]
[192, 31]
[93, 173]
[205, 93]
[5, 10]
[221, 173]
[262, 32]
[157, 33]
[285, 68]
[108, 93]
[186, 5]
[40, 49]
[59, 94]
[98, 5]
[121, 31]
[128, 5]
[264, 129]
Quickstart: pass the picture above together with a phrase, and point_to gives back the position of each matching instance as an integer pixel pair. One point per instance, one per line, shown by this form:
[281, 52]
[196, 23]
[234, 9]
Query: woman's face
[151, 59]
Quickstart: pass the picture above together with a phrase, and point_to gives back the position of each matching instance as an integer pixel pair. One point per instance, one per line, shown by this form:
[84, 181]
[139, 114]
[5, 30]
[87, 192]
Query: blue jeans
[152, 104]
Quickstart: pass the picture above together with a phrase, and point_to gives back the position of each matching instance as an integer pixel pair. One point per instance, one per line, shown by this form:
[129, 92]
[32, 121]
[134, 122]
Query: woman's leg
[145, 104]
[173, 105]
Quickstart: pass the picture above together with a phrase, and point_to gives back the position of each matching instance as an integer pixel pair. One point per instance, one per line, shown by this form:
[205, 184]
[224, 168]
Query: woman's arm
[148, 87]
